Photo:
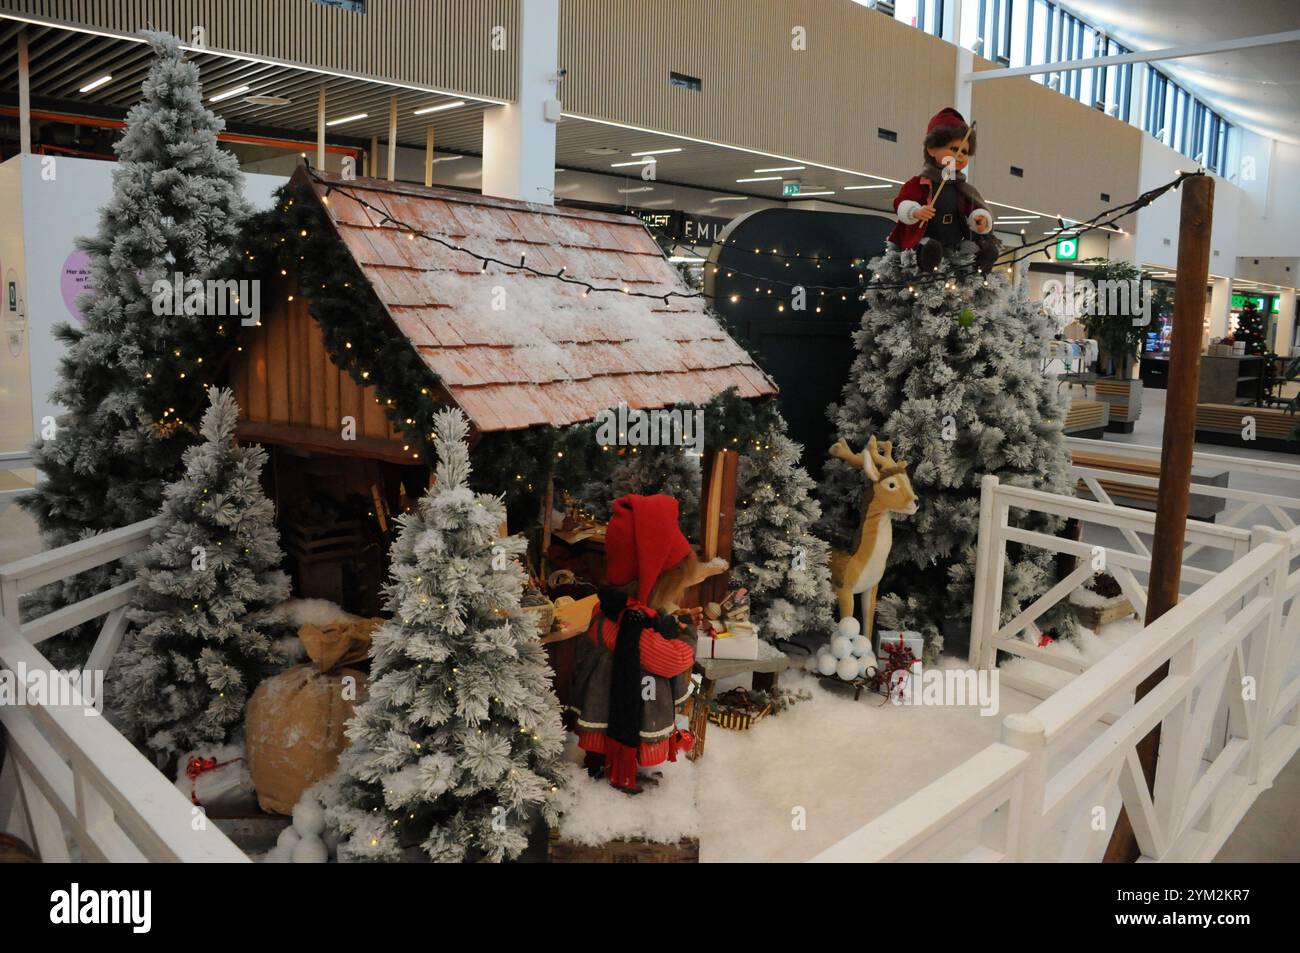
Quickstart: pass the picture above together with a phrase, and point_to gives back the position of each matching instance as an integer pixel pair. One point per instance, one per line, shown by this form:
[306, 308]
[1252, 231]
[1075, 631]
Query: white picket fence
[68, 775]
[1051, 789]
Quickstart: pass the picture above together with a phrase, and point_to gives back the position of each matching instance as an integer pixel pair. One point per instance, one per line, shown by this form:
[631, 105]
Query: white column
[952, 22]
[320, 130]
[24, 96]
[519, 138]
[392, 139]
[1285, 323]
[961, 97]
[1220, 305]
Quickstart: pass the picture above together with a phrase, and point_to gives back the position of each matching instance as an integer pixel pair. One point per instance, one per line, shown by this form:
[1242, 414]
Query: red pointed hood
[642, 541]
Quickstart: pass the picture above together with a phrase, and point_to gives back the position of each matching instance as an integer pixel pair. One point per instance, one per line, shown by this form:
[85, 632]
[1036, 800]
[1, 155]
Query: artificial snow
[300, 612]
[595, 813]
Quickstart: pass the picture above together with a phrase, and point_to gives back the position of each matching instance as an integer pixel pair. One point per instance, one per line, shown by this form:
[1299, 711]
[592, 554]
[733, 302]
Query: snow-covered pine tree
[774, 552]
[645, 471]
[949, 371]
[200, 638]
[457, 748]
[131, 380]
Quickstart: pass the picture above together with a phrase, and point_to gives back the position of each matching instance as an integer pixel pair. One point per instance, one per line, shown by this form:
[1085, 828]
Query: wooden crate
[622, 852]
[321, 556]
[1094, 617]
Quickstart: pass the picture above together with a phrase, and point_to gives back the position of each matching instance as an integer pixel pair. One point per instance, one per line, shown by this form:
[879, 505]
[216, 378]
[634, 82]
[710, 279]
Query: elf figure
[939, 209]
[632, 668]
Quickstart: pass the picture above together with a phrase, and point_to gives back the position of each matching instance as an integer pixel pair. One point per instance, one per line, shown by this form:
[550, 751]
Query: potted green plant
[1112, 314]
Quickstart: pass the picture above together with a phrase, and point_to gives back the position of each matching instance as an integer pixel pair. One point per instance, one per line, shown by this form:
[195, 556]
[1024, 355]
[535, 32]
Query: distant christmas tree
[457, 748]
[774, 552]
[201, 641]
[1250, 328]
[130, 380]
[949, 371]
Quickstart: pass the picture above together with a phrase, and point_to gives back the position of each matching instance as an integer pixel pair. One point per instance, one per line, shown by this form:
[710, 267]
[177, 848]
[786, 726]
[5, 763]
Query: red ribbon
[199, 766]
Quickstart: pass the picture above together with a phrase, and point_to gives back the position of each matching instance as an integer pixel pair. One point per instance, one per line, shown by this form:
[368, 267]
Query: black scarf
[625, 690]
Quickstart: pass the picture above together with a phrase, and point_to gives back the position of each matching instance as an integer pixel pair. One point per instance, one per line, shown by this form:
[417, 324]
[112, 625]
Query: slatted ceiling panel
[1069, 152]
[425, 42]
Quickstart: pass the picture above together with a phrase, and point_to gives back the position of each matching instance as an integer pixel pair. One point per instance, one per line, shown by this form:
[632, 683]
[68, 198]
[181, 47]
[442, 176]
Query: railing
[67, 772]
[988, 636]
[1052, 788]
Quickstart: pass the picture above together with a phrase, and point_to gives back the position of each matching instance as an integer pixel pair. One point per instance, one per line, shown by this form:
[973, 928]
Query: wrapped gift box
[731, 647]
[913, 640]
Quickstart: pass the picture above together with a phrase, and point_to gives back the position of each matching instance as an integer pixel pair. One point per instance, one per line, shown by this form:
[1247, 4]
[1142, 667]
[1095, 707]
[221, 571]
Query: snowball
[826, 663]
[847, 668]
[865, 663]
[310, 850]
[841, 647]
[810, 663]
[308, 817]
[849, 626]
[288, 838]
[861, 646]
[278, 855]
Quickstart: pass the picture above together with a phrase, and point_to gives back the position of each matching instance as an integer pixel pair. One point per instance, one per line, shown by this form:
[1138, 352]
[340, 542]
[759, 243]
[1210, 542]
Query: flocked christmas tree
[1250, 328]
[774, 552]
[645, 471]
[457, 748]
[200, 638]
[131, 379]
[948, 369]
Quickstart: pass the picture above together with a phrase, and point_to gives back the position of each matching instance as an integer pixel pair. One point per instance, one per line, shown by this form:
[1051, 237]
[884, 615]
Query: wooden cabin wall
[285, 376]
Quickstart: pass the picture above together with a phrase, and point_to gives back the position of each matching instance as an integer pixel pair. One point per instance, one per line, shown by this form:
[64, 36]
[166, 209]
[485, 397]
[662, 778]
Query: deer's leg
[845, 595]
[869, 611]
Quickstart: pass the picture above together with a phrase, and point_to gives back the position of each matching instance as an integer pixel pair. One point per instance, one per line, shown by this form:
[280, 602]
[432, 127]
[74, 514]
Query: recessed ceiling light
[731, 198]
[620, 165]
[766, 178]
[805, 194]
[439, 108]
[644, 188]
[448, 158]
[342, 119]
[95, 84]
[655, 152]
[859, 188]
[268, 101]
[601, 151]
[237, 91]
[784, 168]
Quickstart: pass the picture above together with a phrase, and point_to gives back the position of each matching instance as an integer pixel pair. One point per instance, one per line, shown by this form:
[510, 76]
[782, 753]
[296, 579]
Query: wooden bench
[1224, 423]
[1144, 497]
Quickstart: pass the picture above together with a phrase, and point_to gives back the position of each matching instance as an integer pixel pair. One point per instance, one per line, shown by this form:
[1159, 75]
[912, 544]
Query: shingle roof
[515, 350]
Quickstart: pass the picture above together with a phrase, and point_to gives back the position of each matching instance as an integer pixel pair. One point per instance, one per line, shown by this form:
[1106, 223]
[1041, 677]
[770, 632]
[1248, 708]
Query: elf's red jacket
[916, 192]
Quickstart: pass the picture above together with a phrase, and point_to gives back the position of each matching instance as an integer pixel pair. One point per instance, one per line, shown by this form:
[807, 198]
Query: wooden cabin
[512, 350]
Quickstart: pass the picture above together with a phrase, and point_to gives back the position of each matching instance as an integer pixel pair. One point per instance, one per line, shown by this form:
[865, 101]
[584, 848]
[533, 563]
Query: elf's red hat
[945, 117]
[642, 540]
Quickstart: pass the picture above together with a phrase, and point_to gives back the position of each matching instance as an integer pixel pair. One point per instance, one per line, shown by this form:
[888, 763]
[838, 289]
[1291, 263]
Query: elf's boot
[929, 253]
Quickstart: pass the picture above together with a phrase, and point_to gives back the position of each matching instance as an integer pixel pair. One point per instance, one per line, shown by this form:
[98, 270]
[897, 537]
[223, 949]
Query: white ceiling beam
[1169, 53]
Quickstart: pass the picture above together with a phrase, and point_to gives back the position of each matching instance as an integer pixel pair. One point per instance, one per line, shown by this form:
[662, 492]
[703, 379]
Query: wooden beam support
[1195, 221]
[24, 96]
[320, 129]
[392, 139]
[428, 157]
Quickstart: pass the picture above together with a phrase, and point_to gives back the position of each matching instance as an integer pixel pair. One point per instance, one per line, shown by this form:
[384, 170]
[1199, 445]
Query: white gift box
[732, 647]
[913, 640]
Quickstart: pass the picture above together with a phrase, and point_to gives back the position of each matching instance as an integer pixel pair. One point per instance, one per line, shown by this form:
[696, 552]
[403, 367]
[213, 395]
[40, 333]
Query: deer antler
[882, 454]
[841, 450]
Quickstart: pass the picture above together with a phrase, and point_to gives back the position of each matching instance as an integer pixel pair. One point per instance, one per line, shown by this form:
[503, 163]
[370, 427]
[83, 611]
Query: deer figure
[888, 491]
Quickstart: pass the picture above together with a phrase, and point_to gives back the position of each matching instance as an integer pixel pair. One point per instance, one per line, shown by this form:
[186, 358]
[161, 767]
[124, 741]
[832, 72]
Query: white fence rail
[67, 773]
[1052, 788]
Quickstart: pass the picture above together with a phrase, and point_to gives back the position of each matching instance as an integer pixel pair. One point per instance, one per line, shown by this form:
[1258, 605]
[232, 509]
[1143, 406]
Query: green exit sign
[1067, 248]
[793, 187]
[1239, 301]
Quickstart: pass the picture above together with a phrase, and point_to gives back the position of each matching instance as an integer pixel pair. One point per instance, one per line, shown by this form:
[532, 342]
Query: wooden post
[372, 158]
[320, 130]
[24, 96]
[392, 139]
[1194, 225]
[428, 157]
[717, 515]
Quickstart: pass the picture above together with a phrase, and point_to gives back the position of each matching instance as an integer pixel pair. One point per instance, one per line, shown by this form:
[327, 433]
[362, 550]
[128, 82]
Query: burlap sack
[293, 724]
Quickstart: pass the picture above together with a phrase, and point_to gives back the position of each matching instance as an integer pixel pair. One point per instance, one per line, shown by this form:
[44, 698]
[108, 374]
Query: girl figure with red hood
[932, 216]
[632, 668]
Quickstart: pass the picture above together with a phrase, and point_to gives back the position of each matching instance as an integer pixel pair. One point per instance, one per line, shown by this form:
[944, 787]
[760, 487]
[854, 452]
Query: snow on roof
[516, 350]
